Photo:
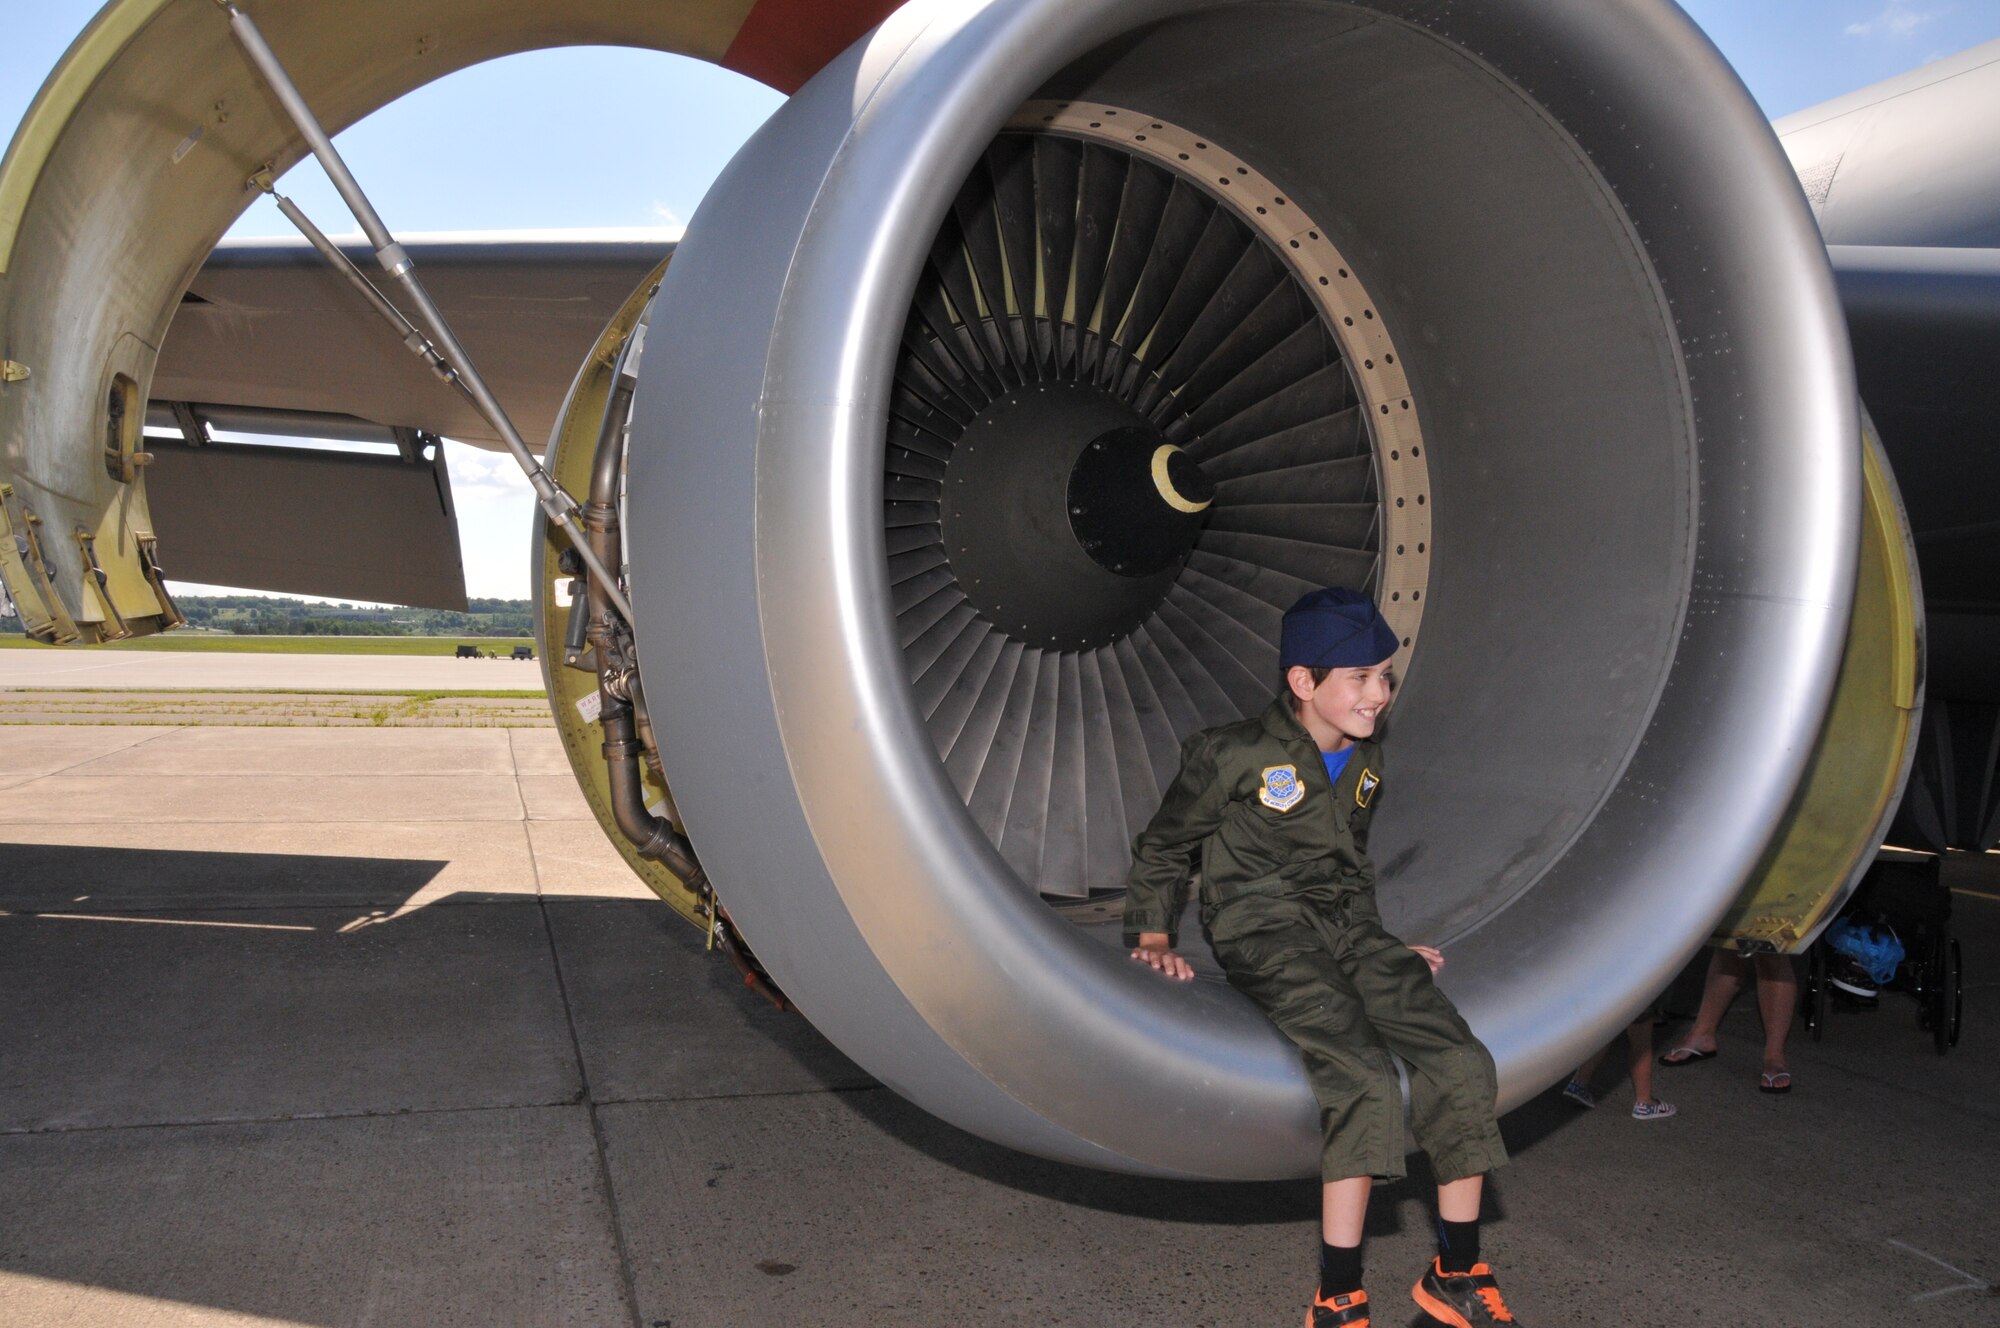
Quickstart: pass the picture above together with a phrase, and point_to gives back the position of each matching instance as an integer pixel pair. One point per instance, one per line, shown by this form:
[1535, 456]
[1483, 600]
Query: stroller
[1901, 904]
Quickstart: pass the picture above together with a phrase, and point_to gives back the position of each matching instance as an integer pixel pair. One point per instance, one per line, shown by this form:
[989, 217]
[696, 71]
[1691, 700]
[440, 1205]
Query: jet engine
[1017, 375]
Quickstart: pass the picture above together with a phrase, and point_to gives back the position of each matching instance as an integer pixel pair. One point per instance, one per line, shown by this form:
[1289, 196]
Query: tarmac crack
[293, 1118]
[625, 1271]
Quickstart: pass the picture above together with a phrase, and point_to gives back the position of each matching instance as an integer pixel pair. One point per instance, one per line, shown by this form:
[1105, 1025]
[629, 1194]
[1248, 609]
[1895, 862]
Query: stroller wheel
[1813, 1007]
[1945, 990]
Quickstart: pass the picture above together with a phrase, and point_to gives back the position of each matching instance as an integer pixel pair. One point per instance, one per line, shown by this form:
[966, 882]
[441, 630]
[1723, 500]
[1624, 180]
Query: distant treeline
[262, 615]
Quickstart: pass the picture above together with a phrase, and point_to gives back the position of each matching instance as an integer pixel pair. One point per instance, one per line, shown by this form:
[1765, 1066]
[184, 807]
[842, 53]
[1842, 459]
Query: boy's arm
[1365, 816]
[1156, 889]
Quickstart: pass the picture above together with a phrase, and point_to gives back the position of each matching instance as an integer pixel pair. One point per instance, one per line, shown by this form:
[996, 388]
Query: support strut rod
[395, 260]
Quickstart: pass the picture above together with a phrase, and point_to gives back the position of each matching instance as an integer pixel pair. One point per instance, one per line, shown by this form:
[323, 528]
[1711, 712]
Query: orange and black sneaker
[1463, 1300]
[1346, 1310]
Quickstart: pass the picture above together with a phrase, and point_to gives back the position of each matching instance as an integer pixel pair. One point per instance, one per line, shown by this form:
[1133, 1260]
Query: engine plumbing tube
[617, 676]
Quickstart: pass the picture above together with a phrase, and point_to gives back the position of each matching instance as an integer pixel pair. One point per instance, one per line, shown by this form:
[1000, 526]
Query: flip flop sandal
[1781, 1082]
[1680, 1056]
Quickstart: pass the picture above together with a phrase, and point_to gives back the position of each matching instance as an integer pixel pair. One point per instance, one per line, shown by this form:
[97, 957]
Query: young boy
[1280, 807]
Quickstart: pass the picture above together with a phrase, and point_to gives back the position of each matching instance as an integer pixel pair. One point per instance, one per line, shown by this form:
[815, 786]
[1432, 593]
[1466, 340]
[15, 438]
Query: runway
[368, 1025]
[182, 670]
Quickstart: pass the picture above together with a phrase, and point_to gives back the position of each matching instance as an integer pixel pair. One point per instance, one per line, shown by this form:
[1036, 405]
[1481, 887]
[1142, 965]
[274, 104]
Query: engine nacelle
[1623, 563]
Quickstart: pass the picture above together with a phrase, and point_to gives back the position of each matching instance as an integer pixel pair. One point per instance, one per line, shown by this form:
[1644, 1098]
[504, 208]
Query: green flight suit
[1288, 902]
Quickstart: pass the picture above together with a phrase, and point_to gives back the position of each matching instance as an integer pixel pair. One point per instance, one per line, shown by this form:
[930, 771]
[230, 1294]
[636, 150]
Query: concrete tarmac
[128, 670]
[369, 1026]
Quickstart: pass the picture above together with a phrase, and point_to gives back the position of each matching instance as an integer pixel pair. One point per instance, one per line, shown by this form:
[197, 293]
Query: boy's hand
[1153, 950]
[1433, 957]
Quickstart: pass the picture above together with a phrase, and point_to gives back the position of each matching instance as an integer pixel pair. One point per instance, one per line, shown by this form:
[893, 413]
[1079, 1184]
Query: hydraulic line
[610, 638]
[395, 260]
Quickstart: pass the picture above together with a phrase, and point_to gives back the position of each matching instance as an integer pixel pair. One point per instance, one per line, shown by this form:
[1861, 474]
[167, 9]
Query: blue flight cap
[1334, 628]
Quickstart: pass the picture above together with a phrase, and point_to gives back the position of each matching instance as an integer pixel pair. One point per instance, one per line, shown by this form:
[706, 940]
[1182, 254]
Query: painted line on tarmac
[1970, 1283]
[168, 922]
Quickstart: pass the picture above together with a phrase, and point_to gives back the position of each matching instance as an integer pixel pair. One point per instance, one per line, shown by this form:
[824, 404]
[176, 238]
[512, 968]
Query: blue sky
[593, 137]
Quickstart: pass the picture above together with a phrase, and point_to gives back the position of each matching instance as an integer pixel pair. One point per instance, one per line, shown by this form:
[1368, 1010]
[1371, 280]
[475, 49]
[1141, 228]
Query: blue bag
[1874, 947]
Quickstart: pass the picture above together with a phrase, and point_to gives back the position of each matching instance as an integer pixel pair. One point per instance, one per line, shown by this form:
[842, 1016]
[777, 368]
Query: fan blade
[1345, 480]
[1314, 564]
[1339, 439]
[1099, 190]
[1300, 356]
[1183, 713]
[1241, 294]
[1150, 715]
[1316, 396]
[1256, 618]
[1058, 176]
[897, 513]
[948, 700]
[1211, 699]
[1196, 286]
[1182, 225]
[906, 595]
[923, 615]
[1248, 689]
[926, 649]
[992, 745]
[1025, 808]
[1118, 779]
[1278, 589]
[1011, 162]
[1063, 871]
[1345, 525]
[1252, 644]
[1140, 209]
[981, 227]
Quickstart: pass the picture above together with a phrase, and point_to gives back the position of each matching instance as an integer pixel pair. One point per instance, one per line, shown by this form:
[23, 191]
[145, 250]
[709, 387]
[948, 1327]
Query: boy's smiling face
[1345, 706]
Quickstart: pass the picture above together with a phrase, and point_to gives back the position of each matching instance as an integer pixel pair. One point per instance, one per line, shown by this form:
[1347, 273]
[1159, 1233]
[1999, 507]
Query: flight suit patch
[1282, 789]
[1364, 788]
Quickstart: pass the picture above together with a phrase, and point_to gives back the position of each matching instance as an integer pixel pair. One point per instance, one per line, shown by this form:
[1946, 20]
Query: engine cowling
[1617, 348]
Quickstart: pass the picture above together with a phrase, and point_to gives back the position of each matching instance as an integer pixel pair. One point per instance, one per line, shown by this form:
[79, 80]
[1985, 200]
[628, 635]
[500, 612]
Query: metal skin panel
[801, 764]
[308, 522]
[1911, 160]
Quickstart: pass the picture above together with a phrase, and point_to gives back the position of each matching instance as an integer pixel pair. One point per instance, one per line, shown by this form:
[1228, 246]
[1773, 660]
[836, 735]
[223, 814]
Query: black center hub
[1067, 515]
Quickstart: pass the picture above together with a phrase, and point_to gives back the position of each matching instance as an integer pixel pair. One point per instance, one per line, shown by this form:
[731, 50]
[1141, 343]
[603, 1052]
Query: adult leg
[1639, 1056]
[1726, 971]
[1777, 1001]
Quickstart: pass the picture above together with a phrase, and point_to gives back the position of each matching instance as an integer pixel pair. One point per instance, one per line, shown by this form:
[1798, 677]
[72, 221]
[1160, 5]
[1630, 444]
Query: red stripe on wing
[785, 42]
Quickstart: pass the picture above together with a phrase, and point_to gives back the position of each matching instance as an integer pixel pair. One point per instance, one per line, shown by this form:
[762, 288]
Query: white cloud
[666, 215]
[496, 520]
[1899, 19]
[478, 475]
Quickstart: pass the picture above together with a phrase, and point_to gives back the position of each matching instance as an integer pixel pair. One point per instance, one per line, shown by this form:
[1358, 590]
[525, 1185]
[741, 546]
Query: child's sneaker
[1463, 1300]
[1579, 1092]
[1653, 1110]
[1347, 1310]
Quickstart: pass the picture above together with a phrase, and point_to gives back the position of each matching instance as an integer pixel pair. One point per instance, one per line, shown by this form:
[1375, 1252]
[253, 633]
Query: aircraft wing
[267, 324]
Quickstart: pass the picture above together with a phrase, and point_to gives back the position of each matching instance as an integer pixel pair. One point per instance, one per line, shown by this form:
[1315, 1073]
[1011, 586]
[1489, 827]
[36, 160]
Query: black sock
[1458, 1245]
[1339, 1269]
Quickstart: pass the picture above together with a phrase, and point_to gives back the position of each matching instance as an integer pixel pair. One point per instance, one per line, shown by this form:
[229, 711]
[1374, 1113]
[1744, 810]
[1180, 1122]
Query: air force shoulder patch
[1364, 788]
[1282, 789]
